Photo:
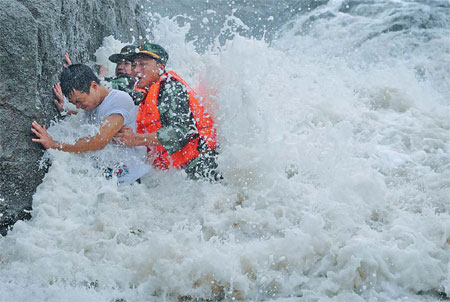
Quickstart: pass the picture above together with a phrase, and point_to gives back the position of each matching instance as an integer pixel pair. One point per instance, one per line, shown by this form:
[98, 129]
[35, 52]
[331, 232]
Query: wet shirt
[129, 163]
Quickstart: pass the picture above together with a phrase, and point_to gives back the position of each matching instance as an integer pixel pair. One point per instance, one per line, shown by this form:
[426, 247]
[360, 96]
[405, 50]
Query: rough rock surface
[34, 35]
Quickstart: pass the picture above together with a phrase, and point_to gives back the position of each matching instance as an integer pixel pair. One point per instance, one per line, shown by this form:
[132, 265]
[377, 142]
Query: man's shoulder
[172, 85]
[116, 102]
[118, 98]
[169, 78]
[119, 94]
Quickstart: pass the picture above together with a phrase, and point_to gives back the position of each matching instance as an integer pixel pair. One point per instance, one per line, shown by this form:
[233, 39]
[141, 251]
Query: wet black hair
[77, 77]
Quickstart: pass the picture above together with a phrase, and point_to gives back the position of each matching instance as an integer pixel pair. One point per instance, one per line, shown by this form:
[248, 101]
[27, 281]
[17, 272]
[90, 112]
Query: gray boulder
[34, 35]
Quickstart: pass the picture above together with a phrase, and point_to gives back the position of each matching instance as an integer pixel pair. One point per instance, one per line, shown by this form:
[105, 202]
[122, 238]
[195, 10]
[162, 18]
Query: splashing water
[335, 152]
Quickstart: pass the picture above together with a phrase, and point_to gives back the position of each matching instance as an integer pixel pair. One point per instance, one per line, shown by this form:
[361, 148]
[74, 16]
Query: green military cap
[119, 57]
[152, 50]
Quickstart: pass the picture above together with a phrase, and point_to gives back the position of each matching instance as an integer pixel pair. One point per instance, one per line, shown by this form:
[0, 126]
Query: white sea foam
[109, 47]
[337, 184]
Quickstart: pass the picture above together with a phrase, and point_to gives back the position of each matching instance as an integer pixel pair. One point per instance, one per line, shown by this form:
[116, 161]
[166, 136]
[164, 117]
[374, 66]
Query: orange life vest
[148, 121]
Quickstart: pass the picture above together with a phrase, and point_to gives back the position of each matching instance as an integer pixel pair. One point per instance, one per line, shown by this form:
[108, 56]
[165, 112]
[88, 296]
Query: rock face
[34, 35]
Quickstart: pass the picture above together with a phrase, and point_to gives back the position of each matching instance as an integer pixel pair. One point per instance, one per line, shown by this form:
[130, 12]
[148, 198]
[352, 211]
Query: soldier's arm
[177, 121]
[127, 137]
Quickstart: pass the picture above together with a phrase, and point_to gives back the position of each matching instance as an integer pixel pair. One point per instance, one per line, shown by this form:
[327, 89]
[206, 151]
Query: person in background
[110, 109]
[123, 79]
[171, 120]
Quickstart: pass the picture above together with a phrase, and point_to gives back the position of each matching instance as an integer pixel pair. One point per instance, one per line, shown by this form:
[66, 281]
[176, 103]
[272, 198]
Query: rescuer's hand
[126, 136]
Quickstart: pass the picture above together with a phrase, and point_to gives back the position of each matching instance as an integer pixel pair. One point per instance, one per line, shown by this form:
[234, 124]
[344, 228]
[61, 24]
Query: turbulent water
[335, 149]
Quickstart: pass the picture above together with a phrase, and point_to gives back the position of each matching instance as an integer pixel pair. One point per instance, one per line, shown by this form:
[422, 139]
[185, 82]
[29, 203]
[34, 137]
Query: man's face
[83, 100]
[123, 67]
[147, 71]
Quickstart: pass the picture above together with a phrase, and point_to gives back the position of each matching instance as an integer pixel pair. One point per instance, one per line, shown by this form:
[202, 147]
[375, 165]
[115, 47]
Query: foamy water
[335, 152]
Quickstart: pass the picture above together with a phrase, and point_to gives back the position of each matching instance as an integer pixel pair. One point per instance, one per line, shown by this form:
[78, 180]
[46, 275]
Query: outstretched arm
[177, 121]
[109, 128]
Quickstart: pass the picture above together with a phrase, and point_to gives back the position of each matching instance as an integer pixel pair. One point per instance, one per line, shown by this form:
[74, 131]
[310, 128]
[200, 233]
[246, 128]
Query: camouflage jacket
[125, 82]
[178, 127]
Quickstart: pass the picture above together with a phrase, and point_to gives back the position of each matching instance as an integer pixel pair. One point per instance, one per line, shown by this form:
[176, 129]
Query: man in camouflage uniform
[123, 80]
[169, 118]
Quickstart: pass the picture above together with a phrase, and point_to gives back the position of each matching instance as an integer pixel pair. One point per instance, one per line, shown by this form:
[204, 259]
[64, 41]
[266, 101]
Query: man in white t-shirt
[110, 109]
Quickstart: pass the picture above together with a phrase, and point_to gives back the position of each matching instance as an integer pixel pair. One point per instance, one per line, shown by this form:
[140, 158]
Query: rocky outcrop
[34, 35]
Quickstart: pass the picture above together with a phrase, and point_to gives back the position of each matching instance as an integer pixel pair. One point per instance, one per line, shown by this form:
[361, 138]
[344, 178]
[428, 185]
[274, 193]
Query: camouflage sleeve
[123, 82]
[177, 121]
[126, 84]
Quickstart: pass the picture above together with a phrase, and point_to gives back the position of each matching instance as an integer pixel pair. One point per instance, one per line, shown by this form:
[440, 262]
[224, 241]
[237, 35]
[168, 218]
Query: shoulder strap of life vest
[148, 119]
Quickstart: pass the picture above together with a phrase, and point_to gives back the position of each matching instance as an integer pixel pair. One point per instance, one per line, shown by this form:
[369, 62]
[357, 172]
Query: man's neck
[103, 93]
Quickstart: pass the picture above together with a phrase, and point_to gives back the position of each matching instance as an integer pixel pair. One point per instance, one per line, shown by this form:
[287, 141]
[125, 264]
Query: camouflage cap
[154, 51]
[119, 57]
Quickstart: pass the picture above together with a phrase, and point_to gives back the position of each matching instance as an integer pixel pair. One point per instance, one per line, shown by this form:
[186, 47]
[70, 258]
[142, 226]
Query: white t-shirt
[129, 163]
